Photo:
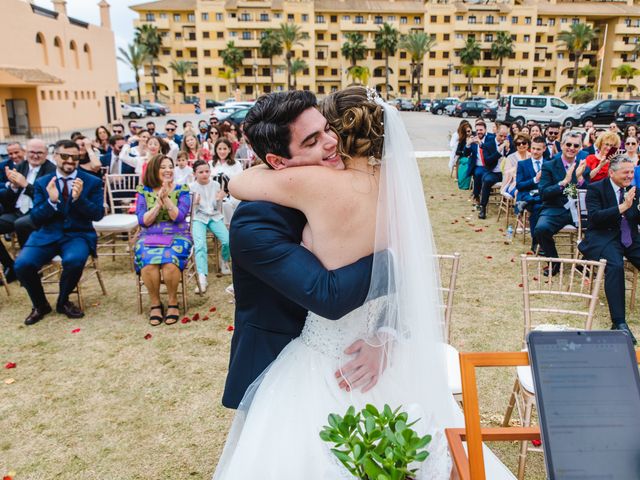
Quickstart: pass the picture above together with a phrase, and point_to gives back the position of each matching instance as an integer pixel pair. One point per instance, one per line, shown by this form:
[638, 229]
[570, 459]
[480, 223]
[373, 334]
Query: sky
[121, 23]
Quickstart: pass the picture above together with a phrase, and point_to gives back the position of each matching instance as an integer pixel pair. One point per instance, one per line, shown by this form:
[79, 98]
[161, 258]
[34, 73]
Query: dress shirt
[24, 203]
[61, 184]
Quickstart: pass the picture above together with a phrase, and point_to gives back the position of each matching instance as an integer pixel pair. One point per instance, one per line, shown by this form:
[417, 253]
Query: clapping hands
[628, 200]
[17, 179]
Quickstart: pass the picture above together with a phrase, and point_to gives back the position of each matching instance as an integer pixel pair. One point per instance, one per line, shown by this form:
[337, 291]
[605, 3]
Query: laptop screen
[588, 398]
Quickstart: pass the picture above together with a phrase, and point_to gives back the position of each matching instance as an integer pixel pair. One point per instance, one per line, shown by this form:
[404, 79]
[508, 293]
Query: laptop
[588, 398]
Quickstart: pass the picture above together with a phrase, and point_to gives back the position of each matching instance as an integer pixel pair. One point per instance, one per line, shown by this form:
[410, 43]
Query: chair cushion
[117, 222]
[453, 370]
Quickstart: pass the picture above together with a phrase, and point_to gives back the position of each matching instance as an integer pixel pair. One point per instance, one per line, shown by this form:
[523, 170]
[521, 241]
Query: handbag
[157, 240]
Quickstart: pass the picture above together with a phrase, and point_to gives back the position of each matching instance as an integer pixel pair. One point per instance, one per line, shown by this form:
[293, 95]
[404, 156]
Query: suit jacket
[547, 154]
[490, 151]
[107, 158]
[604, 219]
[528, 189]
[73, 218]
[276, 281]
[553, 198]
[8, 197]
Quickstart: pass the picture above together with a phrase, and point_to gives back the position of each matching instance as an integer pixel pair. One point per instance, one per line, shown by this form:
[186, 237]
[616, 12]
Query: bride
[376, 204]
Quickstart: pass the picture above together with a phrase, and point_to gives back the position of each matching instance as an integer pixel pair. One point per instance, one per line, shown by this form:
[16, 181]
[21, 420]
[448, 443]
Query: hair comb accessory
[373, 161]
[371, 93]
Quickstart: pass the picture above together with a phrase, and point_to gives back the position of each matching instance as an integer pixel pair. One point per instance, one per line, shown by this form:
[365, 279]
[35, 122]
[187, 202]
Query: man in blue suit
[552, 133]
[111, 158]
[556, 211]
[276, 280]
[16, 157]
[527, 179]
[613, 233]
[64, 206]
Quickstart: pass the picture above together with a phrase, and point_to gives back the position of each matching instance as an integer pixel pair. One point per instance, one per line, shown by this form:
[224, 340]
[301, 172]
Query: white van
[540, 108]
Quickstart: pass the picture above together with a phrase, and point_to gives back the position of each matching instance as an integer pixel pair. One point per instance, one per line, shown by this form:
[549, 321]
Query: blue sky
[121, 22]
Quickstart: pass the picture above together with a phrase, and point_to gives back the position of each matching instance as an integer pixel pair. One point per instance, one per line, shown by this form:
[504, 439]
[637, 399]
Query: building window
[445, 54]
[560, 55]
[403, 54]
[525, 55]
[403, 20]
[447, 19]
[319, 36]
[74, 52]
[245, 17]
[320, 88]
[539, 22]
[432, 71]
[377, 55]
[205, 16]
[290, 17]
[575, 21]
[472, 19]
[305, 54]
[391, 18]
[334, 54]
[195, 89]
[205, 34]
[57, 43]
[194, 72]
[246, 35]
[403, 90]
[321, 72]
[433, 19]
[377, 19]
[334, 19]
[334, 71]
[359, 19]
[208, 88]
[179, 53]
[432, 54]
[43, 47]
[163, 16]
[550, 39]
[527, 20]
[305, 17]
[403, 72]
[514, 20]
[177, 17]
[459, 36]
[552, 22]
[207, 71]
[446, 37]
[564, 20]
[488, 37]
[527, 38]
[264, 17]
[219, 34]
[503, 18]
[191, 18]
[178, 35]
[247, 53]
[319, 18]
[417, 20]
[459, 18]
[223, 89]
[193, 54]
[490, 20]
[219, 17]
[432, 89]
[150, 17]
[334, 36]
[247, 72]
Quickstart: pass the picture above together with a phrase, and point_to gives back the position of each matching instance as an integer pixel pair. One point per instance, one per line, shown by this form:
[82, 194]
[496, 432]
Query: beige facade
[198, 30]
[57, 73]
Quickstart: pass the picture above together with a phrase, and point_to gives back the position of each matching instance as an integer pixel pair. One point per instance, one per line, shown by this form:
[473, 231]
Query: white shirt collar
[616, 188]
[73, 175]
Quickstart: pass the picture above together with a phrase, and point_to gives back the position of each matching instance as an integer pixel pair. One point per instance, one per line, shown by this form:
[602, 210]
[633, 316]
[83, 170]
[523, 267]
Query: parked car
[469, 109]
[423, 106]
[438, 106]
[450, 109]
[155, 109]
[212, 103]
[600, 112]
[403, 104]
[490, 110]
[238, 116]
[223, 112]
[627, 114]
[540, 108]
[132, 111]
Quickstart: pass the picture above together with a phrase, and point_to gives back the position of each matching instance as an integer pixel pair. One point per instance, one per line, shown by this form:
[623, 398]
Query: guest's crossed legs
[547, 227]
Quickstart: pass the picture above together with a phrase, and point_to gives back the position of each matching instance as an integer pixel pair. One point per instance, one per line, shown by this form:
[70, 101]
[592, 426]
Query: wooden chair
[505, 207]
[569, 236]
[4, 282]
[118, 223]
[50, 278]
[186, 276]
[448, 268]
[631, 274]
[578, 290]
[522, 225]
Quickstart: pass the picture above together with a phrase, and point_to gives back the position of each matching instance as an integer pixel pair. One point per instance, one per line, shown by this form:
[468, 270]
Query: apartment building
[57, 73]
[198, 30]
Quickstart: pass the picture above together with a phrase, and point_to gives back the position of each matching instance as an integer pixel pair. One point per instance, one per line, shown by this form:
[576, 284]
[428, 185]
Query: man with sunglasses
[552, 133]
[18, 197]
[528, 176]
[65, 205]
[556, 206]
[117, 129]
[170, 133]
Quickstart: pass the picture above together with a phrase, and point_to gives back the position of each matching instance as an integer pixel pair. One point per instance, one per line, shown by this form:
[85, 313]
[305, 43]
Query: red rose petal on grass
[529, 253]
[206, 317]
[230, 328]
[501, 229]
[520, 285]
[148, 336]
[196, 317]
[535, 279]
[431, 196]
[478, 230]
[212, 309]
[185, 320]
[7, 477]
[513, 260]
[536, 443]
[488, 257]
[10, 365]
[75, 330]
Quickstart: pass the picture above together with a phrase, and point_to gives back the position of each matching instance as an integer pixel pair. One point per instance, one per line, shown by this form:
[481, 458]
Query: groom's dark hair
[266, 126]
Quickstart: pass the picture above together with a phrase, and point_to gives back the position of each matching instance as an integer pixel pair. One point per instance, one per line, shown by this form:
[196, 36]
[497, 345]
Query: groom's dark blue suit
[276, 282]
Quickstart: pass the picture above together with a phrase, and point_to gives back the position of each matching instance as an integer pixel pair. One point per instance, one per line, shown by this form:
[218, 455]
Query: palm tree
[232, 57]
[501, 48]
[290, 35]
[360, 73]
[387, 42]
[636, 50]
[297, 66]
[149, 37]
[181, 68]
[270, 46]
[469, 55]
[626, 72]
[227, 75]
[354, 48]
[588, 72]
[577, 39]
[134, 57]
[417, 44]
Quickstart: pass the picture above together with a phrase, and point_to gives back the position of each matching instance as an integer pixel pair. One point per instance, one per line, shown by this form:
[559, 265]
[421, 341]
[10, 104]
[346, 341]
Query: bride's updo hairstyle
[357, 121]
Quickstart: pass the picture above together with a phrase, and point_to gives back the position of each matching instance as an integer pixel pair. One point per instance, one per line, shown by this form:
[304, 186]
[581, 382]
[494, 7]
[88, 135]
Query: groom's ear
[276, 161]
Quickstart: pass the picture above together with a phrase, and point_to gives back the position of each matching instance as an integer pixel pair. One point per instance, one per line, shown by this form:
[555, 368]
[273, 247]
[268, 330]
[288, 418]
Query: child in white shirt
[183, 173]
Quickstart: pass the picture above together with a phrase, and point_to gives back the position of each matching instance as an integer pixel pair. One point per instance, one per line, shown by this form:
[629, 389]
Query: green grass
[105, 403]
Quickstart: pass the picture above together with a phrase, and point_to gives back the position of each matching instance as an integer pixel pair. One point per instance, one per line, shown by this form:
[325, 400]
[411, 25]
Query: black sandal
[171, 319]
[155, 320]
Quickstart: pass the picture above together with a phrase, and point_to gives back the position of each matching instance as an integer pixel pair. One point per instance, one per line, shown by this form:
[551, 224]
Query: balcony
[620, 46]
[160, 23]
[351, 26]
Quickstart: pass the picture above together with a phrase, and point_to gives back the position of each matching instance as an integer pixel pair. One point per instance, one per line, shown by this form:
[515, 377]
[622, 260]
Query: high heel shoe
[171, 319]
[155, 320]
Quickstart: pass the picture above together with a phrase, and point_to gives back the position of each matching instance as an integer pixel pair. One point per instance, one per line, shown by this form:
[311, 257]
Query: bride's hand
[365, 369]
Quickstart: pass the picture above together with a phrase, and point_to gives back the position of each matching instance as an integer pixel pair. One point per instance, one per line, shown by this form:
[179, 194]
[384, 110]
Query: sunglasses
[572, 145]
[519, 144]
[118, 132]
[631, 143]
[553, 133]
[170, 129]
[67, 156]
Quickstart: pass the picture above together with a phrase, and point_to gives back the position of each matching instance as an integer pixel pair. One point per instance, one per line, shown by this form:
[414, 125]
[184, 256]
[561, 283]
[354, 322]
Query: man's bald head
[36, 152]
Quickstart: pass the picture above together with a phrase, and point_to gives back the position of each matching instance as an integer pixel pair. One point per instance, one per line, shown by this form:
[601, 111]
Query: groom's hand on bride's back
[365, 369]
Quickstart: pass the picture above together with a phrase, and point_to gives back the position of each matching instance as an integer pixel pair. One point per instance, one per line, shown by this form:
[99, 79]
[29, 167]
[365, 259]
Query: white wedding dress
[293, 398]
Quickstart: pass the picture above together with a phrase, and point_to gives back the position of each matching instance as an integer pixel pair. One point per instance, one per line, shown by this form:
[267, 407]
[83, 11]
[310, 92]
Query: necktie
[625, 229]
[536, 165]
[481, 154]
[65, 189]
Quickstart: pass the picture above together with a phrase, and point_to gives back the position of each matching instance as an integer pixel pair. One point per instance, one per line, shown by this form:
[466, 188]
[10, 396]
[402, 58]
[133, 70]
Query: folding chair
[50, 278]
[505, 206]
[581, 282]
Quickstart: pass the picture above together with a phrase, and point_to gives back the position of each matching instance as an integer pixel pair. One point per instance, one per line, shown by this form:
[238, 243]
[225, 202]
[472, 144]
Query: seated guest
[136, 156]
[101, 142]
[552, 133]
[613, 233]
[631, 131]
[165, 241]
[65, 204]
[183, 173]
[89, 158]
[15, 152]
[170, 133]
[475, 151]
[606, 145]
[493, 151]
[18, 196]
[557, 209]
[117, 129]
[521, 143]
[527, 180]
[111, 159]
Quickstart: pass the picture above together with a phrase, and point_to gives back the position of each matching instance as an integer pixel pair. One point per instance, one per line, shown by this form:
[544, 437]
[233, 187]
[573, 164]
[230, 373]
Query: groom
[276, 279]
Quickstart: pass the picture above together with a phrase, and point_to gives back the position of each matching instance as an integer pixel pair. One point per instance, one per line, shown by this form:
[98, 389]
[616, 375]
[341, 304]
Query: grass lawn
[106, 403]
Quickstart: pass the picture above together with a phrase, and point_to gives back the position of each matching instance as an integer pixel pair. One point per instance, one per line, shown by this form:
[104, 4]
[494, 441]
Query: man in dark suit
[552, 133]
[556, 206]
[613, 233]
[65, 204]
[528, 176]
[276, 280]
[17, 198]
[111, 158]
[15, 151]
[493, 152]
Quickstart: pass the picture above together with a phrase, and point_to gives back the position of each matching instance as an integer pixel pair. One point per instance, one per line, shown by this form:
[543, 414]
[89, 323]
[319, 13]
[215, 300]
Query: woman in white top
[224, 167]
[522, 143]
[136, 156]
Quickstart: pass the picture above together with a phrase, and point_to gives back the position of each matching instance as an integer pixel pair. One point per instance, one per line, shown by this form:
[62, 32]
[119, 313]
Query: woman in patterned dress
[164, 244]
